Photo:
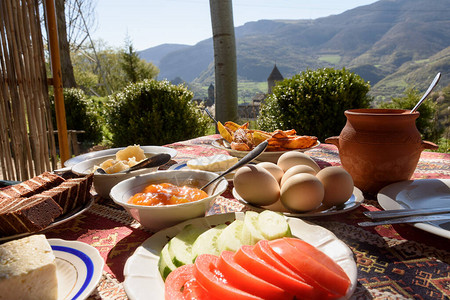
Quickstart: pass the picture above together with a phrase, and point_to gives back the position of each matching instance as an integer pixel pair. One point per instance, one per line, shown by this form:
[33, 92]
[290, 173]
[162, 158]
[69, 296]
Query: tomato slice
[181, 284]
[255, 265]
[210, 278]
[314, 272]
[246, 281]
[192, 290]
[263, 251]
[318, 255]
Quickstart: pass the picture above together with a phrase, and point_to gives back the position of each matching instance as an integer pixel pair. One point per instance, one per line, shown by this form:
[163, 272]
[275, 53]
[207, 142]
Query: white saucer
[141, 273]
[79, 268]
[420, 193]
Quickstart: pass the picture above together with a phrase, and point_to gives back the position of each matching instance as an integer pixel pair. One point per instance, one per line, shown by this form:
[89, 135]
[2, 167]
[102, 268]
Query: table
[394, 261]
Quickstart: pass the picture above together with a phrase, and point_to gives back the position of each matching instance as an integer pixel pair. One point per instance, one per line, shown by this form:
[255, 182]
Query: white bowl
[156, 218]
[104, 182]
[147, 149]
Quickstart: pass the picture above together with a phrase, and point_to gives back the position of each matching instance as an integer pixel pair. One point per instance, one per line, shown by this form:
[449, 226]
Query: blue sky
[153, 22]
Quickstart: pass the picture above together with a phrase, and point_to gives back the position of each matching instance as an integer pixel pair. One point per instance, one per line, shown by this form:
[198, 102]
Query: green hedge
[80, 115]
[313, 102]
[154, 112]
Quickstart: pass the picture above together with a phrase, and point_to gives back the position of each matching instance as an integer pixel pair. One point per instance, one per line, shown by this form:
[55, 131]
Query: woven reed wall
[27, 144]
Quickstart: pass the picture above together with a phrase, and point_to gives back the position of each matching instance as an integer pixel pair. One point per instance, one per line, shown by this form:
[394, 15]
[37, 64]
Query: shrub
[313, 102]
[154, 112]
[427, 121]
[80, 115]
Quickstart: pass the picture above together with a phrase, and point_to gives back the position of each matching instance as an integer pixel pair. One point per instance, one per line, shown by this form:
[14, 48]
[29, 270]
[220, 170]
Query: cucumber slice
[206, 243]
[250, 232]
[165, 264]
[180, 246]
[272, 225]
[230, 238]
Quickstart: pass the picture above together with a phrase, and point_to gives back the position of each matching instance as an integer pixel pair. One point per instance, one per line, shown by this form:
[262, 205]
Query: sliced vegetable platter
[142, 277]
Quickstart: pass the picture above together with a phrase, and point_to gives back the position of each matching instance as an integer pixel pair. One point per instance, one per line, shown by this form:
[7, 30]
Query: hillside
[391, 43]
[155, 54]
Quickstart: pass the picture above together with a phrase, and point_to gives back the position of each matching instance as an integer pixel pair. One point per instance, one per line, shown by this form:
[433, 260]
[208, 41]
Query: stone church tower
[273, 78]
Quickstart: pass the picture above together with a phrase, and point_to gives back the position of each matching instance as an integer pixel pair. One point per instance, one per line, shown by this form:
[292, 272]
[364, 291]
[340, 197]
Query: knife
[405, 212]
[411, 219]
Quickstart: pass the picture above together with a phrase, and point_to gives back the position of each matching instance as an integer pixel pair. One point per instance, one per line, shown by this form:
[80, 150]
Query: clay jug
[379, 146]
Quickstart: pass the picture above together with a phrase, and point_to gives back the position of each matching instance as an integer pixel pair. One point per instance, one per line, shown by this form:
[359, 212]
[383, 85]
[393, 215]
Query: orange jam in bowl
[167, 194]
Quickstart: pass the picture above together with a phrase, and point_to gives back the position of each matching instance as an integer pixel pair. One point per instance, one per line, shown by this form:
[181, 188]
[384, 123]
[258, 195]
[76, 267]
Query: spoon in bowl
[430, 88]
[150, 162]
[245, 160]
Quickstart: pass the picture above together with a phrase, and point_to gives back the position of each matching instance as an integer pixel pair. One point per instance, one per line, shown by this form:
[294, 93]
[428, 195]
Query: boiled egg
[294, 158]
[302, 192]
[297, 170]
[274, 169]
[338, 185]
[256, 185]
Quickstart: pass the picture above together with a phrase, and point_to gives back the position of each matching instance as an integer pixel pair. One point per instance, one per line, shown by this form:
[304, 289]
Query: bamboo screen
[27, 144]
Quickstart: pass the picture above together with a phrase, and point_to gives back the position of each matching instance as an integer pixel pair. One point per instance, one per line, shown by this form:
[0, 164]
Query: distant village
[246, 110]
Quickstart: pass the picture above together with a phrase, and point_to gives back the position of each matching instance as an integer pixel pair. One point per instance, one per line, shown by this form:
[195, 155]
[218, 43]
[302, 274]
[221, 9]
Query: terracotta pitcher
[379, 146]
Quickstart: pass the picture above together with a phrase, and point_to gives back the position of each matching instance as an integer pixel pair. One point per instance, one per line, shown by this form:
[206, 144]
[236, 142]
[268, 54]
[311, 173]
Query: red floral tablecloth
[394, 261]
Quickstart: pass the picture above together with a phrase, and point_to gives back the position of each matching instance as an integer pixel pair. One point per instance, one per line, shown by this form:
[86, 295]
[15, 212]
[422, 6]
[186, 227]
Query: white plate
[271, 156]
[59, 220]
[183, 166]
[152, 149]
[355, 200]
[420, 193]
[79, 268]
[142, 277]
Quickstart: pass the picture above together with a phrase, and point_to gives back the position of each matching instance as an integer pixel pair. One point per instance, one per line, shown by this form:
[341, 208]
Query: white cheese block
[28, 269]
[215, 163]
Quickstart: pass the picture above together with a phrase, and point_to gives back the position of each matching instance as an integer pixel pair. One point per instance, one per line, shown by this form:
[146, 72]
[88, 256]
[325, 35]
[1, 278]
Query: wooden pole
[57, 80]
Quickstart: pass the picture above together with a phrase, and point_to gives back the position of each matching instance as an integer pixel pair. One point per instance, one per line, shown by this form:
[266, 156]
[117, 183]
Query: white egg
[338, 185]
[297, 170]
[256, 185]
[302, 192]
[294, 158]
[274, 169]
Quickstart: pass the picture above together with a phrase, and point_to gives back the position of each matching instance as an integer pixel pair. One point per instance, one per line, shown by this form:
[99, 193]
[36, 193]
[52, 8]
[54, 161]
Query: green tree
[313, 102]
[427, 122]
[135, 68]
[108, 69]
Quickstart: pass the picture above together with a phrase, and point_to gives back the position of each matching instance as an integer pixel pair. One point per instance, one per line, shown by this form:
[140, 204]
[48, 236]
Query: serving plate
[141, 273]
[420, 193]
[152, 149]
[79, 268]
[355, 200]
[59, 220]
[270, 156]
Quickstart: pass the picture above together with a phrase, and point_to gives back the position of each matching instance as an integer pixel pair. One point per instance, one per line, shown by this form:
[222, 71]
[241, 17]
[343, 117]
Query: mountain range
[393, 44]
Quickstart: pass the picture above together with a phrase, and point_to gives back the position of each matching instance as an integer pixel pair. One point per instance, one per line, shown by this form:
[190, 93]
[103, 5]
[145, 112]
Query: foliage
[135, 69]
[154, 112]
[108, 70]
[427, 121]
[313, 102]
[80, 115]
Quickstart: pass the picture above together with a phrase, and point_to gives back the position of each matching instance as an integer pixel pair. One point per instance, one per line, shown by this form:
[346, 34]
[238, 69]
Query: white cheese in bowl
[215, 163]
[28, 269]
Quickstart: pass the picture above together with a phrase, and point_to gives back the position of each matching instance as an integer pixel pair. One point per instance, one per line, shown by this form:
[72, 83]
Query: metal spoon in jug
[430, 88]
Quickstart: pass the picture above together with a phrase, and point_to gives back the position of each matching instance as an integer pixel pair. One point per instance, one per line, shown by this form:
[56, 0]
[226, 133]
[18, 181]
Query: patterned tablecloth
[394, 261]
